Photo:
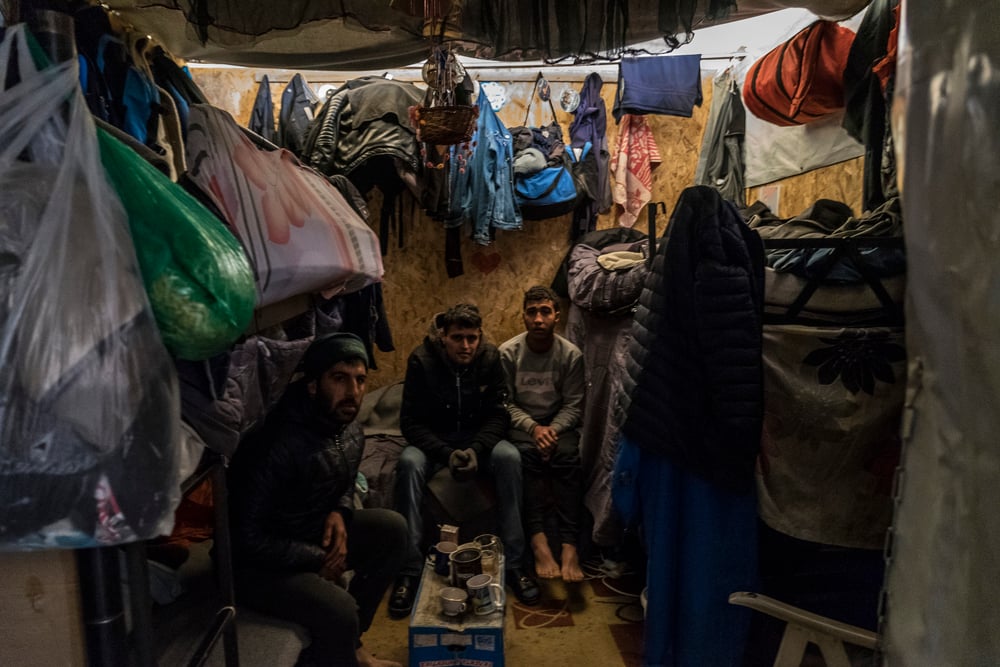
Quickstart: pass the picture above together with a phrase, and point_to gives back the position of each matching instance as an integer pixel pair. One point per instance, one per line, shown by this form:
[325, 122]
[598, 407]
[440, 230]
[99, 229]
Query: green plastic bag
[198, 278]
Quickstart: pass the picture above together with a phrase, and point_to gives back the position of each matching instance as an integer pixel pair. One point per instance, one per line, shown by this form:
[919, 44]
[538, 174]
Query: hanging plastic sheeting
[941, 606]
[88, 397]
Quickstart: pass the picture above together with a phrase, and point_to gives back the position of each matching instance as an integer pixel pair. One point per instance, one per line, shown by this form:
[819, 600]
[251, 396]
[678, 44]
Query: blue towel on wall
[669, 85]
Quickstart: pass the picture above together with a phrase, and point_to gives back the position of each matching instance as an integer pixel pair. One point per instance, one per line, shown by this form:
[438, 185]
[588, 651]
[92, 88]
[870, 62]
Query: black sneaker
[403, 593]
[524, 586]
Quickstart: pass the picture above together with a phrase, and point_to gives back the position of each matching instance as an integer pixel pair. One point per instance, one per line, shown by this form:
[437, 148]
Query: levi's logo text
[535, 381]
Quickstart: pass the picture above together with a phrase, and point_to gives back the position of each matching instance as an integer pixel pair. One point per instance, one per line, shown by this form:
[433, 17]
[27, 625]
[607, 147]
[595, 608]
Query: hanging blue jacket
[590, 123]
[491, 180]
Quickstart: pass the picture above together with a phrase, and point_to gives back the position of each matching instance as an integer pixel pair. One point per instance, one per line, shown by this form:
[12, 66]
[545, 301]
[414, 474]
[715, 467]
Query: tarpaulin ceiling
[364, 35]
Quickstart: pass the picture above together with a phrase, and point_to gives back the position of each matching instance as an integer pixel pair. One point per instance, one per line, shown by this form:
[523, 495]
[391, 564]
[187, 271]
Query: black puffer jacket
[446, 407]
[694, 390]
[285, 479]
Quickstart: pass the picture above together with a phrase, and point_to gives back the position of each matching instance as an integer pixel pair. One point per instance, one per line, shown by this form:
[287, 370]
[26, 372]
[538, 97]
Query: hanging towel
[262, 114]
[632, 167]
[669, 85]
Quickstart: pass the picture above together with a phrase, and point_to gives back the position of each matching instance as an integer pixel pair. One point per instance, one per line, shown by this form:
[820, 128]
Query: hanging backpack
[551, 191]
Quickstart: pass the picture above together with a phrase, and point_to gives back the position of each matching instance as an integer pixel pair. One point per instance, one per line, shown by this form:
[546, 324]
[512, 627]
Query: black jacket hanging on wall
[298, 102]
[694, 391]
[262, 114]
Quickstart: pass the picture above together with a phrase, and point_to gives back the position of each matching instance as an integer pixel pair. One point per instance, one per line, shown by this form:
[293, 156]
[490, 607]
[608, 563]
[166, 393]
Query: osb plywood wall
[416, 284]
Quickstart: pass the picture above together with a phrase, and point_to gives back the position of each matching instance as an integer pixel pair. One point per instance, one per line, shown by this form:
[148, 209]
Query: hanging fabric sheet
[833, 406]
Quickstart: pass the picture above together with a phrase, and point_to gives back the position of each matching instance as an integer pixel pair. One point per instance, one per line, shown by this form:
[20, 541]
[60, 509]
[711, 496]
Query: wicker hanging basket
[445, 125]
[441, 121]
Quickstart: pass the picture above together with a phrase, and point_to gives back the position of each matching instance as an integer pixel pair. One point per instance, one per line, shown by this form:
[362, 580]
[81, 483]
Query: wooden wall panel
[840, 182]
[41, 620]
[416, 285]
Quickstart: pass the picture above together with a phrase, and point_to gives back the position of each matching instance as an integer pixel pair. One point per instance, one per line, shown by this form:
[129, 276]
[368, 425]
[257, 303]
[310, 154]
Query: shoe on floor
[403, 593]
[524, 586]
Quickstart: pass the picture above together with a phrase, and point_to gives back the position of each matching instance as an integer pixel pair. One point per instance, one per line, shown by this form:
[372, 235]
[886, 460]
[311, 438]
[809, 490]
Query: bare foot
[545, 565]
[366, 659]
[571, 563]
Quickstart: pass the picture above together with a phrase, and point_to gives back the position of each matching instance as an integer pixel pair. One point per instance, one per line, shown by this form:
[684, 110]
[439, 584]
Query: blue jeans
[504, 465]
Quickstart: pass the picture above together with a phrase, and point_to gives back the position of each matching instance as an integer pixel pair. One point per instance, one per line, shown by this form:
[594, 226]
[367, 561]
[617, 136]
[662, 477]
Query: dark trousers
[560, 477]
[503, 463]
[334, 617]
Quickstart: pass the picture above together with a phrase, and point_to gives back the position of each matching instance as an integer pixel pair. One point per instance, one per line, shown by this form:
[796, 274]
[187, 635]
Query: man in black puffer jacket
[454, 414]
[295, 533]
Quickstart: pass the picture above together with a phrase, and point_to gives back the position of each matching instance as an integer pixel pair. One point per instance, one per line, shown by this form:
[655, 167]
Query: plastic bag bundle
[89, 409]
[300, 233]
[198, 278]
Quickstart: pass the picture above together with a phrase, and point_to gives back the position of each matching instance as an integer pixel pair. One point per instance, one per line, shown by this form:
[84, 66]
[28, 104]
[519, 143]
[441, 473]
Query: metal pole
[103, 611]
[224, 552]
[140, 603]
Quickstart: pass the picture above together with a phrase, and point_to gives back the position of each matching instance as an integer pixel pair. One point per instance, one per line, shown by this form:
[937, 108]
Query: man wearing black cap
[295, 533]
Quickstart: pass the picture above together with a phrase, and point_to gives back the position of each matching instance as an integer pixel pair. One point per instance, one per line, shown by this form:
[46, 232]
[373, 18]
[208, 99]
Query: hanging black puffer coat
[694, 390]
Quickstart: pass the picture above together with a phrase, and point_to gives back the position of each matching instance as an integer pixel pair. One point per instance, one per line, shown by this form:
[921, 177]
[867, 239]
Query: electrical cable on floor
[629, 609]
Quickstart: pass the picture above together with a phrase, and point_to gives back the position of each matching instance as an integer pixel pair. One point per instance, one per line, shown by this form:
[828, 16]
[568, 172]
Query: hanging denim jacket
[492, 176]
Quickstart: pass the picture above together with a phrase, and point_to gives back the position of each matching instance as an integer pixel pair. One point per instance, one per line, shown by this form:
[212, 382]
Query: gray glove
[463, 464]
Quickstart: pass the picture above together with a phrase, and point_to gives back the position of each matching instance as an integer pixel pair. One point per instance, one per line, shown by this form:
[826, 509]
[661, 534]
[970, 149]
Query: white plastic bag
[89, 408]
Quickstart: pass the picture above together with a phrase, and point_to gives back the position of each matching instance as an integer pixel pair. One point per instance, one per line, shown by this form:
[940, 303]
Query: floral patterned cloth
[833, 399]
[632, 164]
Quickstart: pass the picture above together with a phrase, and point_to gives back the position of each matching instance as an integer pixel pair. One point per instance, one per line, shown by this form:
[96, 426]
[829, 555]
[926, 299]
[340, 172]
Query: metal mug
[466, 562]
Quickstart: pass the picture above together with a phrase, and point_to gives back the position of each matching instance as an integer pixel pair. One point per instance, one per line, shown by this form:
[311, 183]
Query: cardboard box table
[437, 640]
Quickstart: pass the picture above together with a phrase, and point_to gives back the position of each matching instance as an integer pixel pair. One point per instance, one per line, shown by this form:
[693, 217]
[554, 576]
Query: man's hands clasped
[545, 440]
[463, 464]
